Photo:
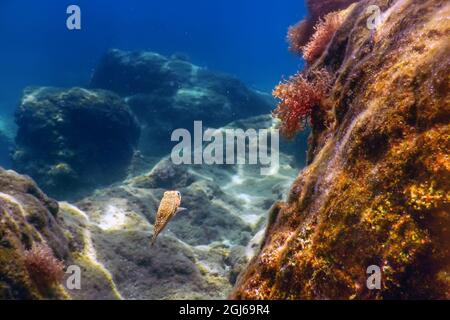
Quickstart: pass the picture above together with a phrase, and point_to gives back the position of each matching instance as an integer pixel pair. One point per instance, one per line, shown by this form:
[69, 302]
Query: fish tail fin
[152, 242]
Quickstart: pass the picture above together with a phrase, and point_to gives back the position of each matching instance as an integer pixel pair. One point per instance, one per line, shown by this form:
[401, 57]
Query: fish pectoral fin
[180, 209]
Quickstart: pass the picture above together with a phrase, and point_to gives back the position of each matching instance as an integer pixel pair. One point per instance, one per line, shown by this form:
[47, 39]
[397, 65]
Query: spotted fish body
[168, 208]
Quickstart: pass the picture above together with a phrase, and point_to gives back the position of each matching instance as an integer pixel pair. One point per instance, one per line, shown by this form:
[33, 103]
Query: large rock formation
[376, 191]
[72, 140]
[27, 216]
[170, 93]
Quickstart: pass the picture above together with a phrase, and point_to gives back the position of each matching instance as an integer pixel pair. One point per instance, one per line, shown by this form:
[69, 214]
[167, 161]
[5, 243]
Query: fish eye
[178, 193]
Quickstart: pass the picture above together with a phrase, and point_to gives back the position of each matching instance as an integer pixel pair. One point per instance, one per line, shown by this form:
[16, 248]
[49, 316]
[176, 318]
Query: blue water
[245, 38]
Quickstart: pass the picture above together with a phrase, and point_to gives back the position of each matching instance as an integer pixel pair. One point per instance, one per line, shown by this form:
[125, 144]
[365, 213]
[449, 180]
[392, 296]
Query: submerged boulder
[170, 93]
[72, 140]
[27, 217]
[375, 195]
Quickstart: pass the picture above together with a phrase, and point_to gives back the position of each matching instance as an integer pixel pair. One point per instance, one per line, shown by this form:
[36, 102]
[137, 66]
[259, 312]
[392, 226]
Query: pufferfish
[168, 208]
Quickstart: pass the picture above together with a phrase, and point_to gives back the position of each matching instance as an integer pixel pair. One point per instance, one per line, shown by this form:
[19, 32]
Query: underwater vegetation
[301, 96]
[320, 15]
[376, 190]
[42, 265]
[323, 32]
[298, 99]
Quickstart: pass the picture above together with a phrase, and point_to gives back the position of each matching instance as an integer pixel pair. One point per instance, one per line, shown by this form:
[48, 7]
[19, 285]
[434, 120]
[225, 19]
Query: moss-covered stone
[27, 216]
[376, 190]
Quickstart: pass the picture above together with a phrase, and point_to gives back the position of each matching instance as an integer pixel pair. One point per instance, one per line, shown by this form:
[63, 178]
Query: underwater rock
[130, 73]
[120, 238]
[119, 228]
[205, 221]
[170, 93]
[107, 235]
[237, 261]
[73, 140]
[376, 190]
[27, 217]
[6, 142]
[201, 251]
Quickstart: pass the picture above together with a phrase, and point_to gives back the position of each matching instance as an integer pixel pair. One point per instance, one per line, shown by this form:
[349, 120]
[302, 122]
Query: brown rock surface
[376, 190]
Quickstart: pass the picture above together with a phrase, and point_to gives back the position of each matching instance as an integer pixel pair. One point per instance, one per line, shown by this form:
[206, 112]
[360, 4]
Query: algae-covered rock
[72, 140]
[27, 217]
[376, 190]
[170, 93]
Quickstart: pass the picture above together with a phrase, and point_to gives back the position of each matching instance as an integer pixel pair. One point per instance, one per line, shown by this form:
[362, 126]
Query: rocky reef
[29, 220]
[104, 150]
[27, 216]
[107, 234]
[203, 249]
[376, 190]
[72, 140]
[167, 93]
